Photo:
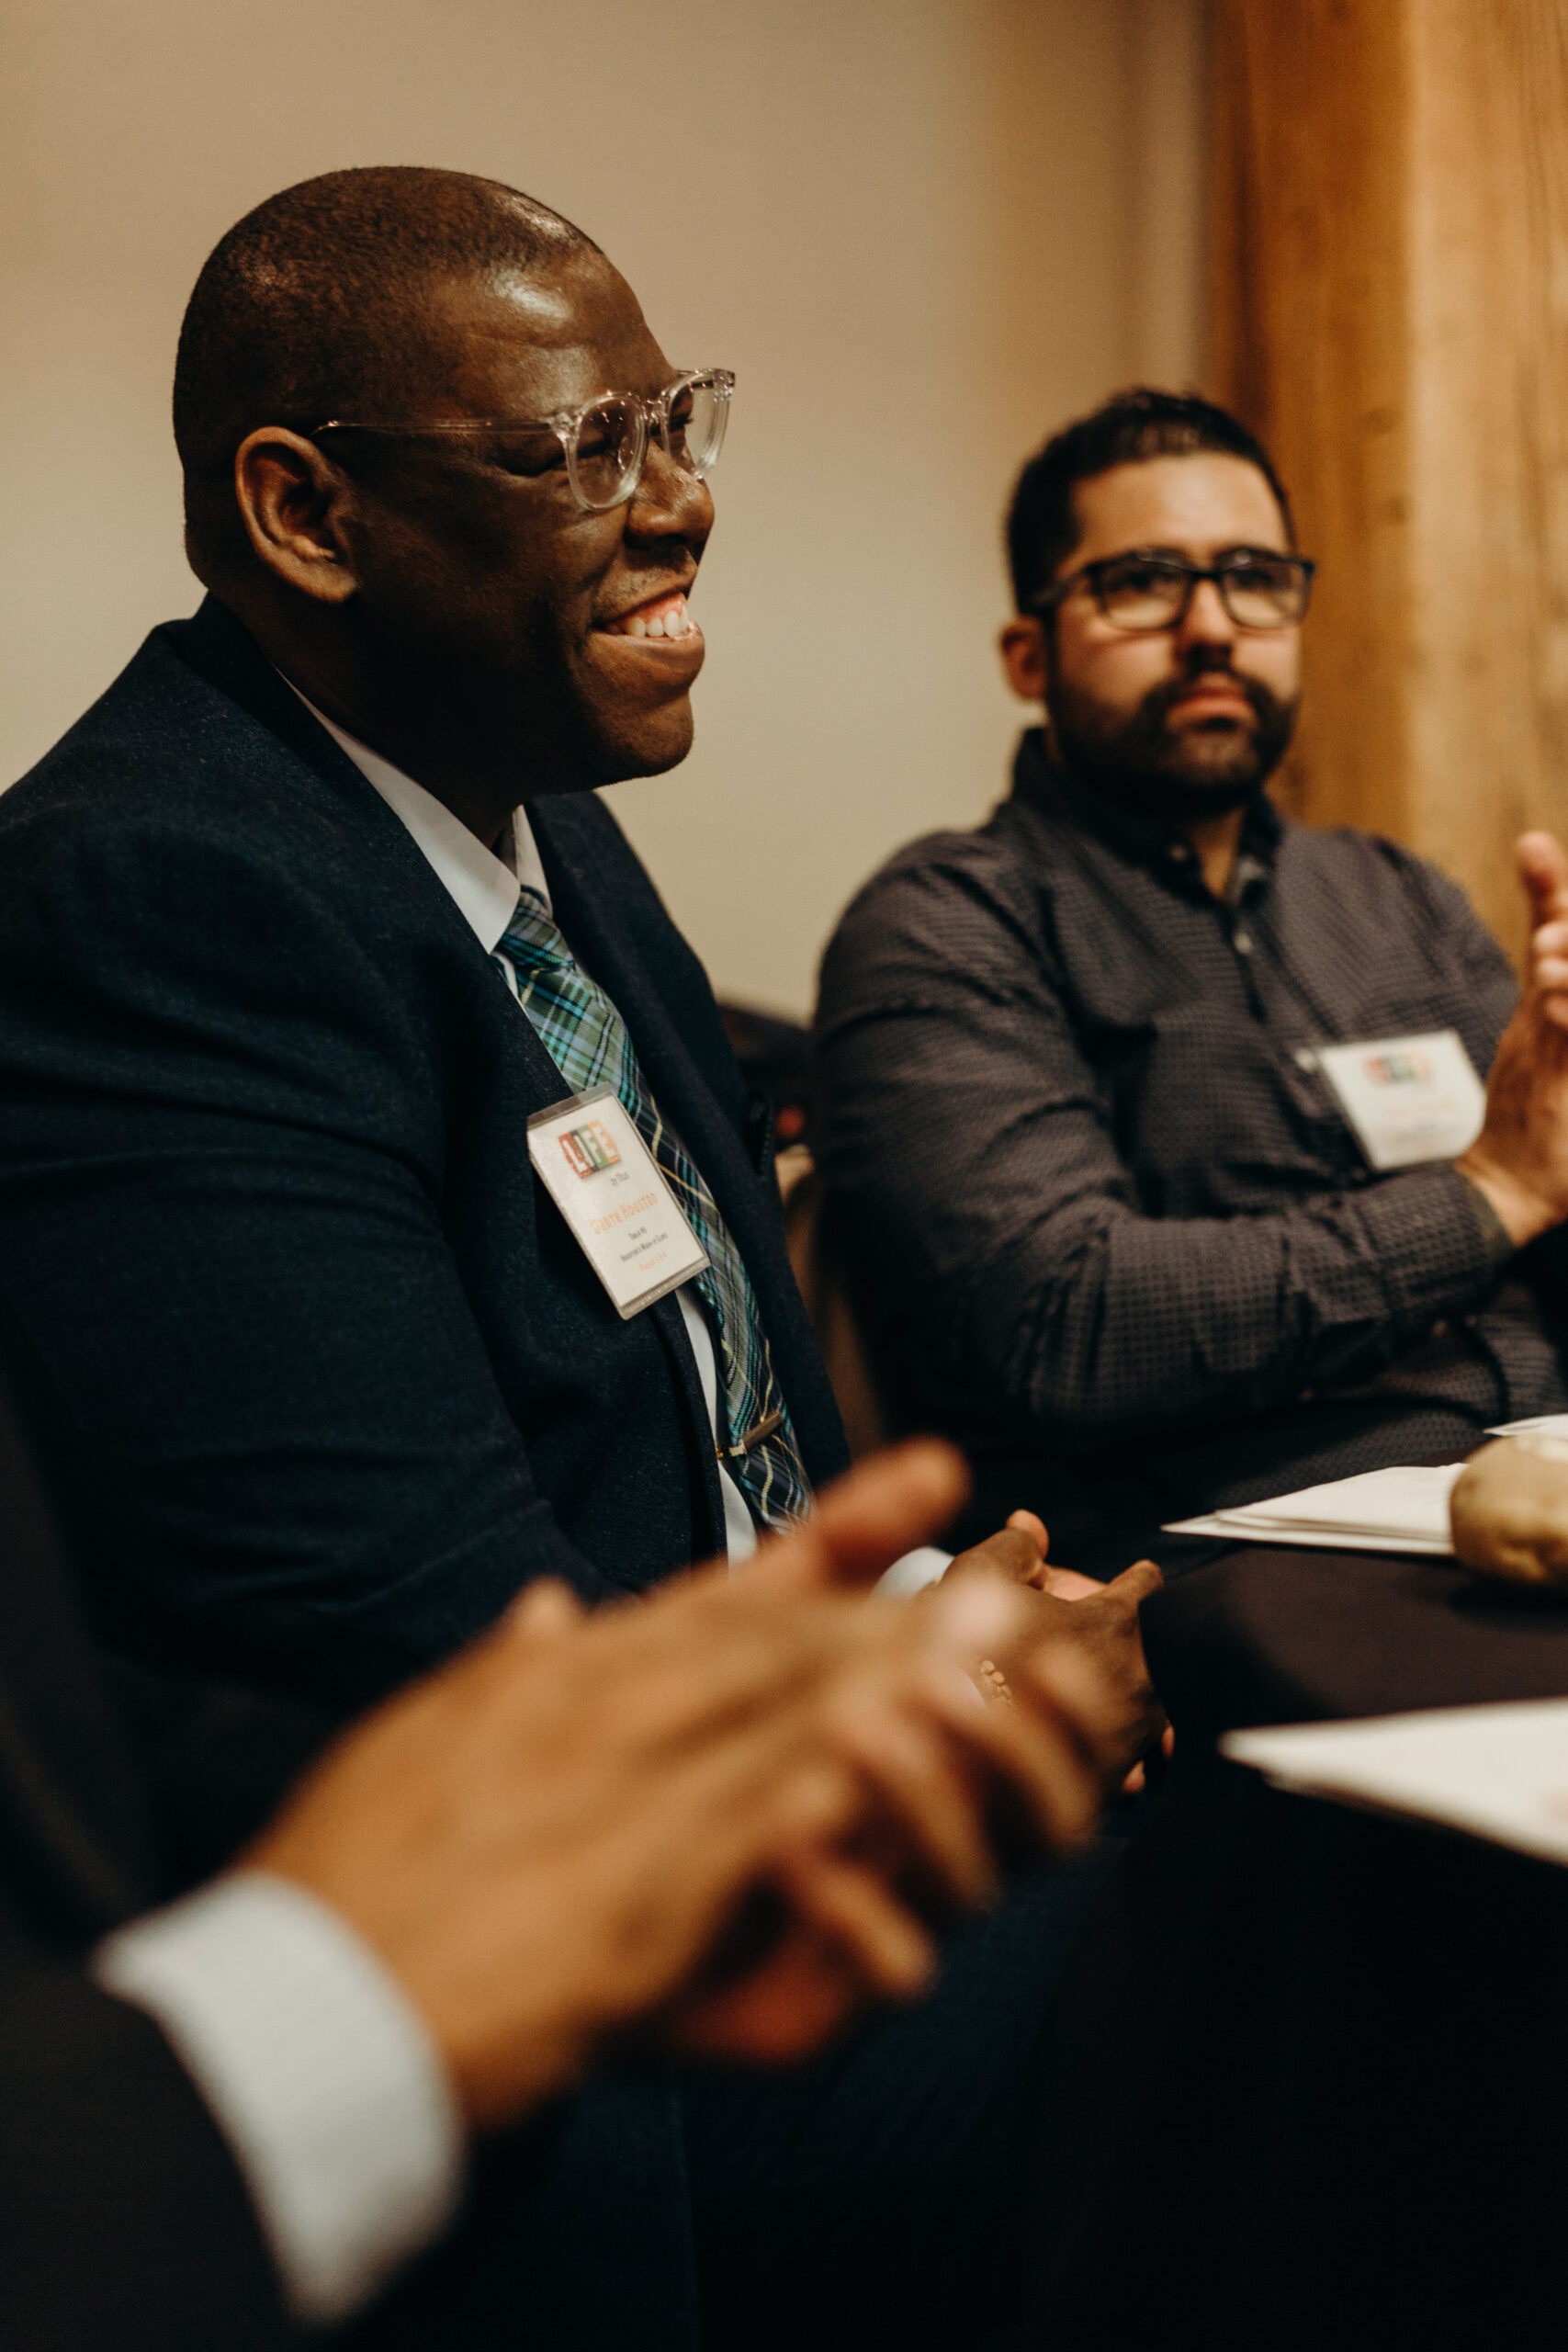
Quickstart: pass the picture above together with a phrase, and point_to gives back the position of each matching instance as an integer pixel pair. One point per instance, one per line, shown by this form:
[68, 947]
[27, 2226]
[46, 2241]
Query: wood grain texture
[1390, 260]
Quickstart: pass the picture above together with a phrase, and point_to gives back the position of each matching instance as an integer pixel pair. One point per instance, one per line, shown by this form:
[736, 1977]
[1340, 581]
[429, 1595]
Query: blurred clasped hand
[727, 1816]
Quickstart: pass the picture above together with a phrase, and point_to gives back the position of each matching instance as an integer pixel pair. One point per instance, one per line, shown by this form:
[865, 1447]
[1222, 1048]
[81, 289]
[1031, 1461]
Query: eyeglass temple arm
[723, 383]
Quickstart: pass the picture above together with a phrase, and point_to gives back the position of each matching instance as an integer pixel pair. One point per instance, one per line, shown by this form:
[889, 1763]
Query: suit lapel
[580, 856]
[216, 645]
[610, 954]
[610, 914]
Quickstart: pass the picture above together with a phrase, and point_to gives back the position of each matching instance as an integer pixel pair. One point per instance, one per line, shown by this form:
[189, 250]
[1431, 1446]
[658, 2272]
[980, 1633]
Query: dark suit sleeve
[212, 1762]
[124, 2225]
[224, 1275]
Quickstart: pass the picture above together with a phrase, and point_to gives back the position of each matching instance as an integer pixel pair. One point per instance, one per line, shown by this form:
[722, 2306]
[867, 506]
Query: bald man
[383, 1224]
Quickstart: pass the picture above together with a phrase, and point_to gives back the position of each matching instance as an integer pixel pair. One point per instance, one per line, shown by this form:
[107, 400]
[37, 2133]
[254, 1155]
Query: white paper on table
[1544, 1424]
[1403, 1509]
[1498, 1773]
[1308, 1539]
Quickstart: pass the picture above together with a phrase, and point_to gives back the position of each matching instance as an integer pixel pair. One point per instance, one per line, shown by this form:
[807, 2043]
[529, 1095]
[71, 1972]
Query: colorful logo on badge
[589, 1148]
[1398, 1069]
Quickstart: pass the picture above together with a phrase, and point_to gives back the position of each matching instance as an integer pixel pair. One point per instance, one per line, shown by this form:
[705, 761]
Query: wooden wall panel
[1390, 264]
[1310, 348]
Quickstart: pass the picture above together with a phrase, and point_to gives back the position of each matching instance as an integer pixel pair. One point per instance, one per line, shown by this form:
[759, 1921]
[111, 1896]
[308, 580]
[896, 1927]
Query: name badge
[612, 1193]
[1408, 1098]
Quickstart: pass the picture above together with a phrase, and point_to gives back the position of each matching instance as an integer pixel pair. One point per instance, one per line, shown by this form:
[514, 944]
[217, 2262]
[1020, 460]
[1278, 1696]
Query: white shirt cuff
[318, 2070]
[915, 1571]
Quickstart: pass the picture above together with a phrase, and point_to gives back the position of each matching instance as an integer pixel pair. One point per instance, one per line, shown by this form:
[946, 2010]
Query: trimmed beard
[1149, 768]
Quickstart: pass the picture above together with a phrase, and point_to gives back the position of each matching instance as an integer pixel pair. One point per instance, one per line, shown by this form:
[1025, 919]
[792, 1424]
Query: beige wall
[923, 231]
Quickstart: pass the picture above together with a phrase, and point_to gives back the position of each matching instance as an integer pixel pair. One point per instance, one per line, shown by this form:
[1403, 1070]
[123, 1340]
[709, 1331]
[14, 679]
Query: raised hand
[1519, 1161]
[1543, 870]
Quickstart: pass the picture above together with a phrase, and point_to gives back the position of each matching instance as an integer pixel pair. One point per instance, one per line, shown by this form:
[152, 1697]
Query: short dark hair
[308, 309]
[1042, 524]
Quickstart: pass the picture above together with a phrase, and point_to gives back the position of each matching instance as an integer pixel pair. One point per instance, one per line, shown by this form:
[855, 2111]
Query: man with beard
[1117, 1221]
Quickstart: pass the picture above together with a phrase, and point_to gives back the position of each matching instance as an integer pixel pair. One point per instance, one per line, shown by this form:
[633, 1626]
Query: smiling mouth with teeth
[662, 616]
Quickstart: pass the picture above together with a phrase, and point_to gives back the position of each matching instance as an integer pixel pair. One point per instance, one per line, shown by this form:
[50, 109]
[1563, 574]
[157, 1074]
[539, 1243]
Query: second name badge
[1408, 1098]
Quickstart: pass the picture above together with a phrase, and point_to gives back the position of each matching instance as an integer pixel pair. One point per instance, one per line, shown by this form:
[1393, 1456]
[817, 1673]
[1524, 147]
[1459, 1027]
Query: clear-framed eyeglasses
[603, 444]
[1258, 587]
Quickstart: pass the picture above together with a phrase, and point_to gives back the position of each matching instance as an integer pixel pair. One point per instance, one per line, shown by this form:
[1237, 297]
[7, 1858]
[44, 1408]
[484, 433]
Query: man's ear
[1024, 656]
[292, 500]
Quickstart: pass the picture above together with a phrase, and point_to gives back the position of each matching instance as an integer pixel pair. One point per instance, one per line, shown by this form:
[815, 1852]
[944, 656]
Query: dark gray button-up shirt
[1106, 1223]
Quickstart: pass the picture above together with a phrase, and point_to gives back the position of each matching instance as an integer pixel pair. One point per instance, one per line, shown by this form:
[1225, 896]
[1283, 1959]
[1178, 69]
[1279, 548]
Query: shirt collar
[483, 886]
[1148, 841]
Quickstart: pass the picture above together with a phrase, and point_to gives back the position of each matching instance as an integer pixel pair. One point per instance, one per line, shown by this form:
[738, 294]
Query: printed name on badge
[1408, 1098]
[611, 1191]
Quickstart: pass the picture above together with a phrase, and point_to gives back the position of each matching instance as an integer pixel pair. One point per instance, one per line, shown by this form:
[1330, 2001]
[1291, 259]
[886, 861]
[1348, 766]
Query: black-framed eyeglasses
[1146, 589]
[602, 444]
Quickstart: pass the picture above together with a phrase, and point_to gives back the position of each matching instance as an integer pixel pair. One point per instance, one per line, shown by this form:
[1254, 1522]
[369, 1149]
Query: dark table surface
[1269, 1635]
[1308, 2086]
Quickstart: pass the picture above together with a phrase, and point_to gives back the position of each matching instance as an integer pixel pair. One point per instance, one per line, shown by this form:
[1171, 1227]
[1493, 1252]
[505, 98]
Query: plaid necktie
[587, 1040]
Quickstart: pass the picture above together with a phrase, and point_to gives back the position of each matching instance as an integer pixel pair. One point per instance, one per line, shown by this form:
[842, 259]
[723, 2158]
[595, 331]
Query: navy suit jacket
[322, 1379]
[321, 1375]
